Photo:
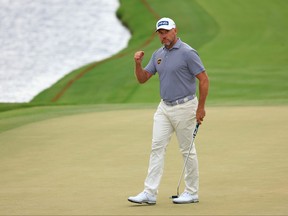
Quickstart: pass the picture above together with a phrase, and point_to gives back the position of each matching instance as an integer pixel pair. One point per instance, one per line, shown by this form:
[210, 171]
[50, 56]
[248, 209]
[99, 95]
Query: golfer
[178, 65]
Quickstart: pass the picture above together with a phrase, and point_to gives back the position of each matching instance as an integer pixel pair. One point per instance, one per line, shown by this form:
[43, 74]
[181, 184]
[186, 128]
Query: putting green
[88, 164]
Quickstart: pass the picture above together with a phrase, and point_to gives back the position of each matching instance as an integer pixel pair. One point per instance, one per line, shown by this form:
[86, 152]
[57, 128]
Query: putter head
[174, 197]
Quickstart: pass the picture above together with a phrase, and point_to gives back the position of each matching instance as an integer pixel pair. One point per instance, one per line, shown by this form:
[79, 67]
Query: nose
[163, 35]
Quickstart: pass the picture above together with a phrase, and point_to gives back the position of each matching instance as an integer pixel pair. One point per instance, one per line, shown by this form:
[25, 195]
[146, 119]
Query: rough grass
[243, 45]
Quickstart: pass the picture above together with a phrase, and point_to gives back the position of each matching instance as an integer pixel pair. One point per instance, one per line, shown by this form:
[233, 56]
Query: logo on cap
[163, 23]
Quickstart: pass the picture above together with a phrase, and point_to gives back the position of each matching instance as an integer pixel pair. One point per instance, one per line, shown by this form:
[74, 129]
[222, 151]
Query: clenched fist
[138, 56]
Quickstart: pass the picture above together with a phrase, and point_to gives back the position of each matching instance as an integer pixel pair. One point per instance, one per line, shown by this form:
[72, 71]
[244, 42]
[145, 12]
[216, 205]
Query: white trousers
[180, 119]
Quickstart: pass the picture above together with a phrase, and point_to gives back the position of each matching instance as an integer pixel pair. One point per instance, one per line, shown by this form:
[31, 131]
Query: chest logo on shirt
[159, 60]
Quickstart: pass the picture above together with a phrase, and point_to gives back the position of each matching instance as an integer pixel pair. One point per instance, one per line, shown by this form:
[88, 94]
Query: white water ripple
[43, 40]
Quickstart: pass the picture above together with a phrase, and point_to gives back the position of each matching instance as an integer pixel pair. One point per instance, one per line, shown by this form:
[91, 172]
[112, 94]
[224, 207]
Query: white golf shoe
[143, 197]
[186, 198]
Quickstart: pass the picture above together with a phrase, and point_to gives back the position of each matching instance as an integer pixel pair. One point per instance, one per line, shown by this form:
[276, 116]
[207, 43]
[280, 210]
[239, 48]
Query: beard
[168, 43]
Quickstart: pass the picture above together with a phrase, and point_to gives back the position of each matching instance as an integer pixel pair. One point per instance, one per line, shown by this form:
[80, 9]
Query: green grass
[248, 58]
[242, 43]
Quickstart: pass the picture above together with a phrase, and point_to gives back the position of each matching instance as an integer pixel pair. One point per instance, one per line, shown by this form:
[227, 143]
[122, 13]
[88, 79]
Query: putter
[181, 176]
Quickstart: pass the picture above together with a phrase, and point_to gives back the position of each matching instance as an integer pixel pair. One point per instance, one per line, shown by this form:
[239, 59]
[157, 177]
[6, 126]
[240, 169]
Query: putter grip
[196, 130]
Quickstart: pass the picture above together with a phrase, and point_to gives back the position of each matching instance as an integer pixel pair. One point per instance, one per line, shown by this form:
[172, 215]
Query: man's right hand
[138, 56]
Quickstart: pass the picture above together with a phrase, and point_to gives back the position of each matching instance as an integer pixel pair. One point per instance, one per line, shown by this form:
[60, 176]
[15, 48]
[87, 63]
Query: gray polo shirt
[177, 68]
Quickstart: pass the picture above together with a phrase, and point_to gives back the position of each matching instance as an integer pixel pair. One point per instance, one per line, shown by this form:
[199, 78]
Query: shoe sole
[193, 201]
[149, 203]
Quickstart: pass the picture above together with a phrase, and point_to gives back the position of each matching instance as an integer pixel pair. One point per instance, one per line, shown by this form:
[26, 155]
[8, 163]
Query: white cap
[165, 23]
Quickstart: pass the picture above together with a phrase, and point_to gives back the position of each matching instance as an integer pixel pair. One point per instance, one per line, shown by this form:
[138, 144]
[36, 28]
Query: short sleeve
[150, 67]
[194, 62]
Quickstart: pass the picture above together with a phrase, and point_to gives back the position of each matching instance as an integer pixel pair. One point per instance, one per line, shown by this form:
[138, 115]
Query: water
[43, 40]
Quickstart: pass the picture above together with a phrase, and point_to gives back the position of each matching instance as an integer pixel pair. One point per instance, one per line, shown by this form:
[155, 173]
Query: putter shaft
[186, 160]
